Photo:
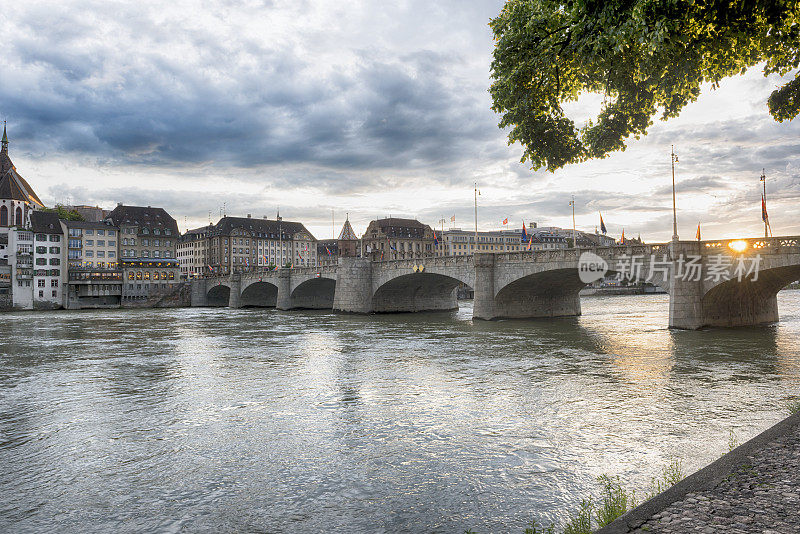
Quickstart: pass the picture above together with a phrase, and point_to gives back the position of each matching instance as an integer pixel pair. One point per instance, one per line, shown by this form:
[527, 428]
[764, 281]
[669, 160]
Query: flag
[602, 225]
[764, 215]
[530, 242]
[623, 237]
[524, 232]
[698, 231]
[435, 239]
[328, 251]
[505, 221]
[453, 218]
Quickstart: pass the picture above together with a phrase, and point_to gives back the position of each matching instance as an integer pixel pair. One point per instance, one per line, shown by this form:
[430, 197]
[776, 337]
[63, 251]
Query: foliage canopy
[645, 56]
[65, 213]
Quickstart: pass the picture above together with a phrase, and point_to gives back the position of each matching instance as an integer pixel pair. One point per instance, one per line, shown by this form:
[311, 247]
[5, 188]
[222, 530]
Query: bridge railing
[761, 244]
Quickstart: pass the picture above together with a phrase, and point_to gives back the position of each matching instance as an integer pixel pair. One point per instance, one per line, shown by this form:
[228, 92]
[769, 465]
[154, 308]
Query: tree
[644, 56]
[64, 213]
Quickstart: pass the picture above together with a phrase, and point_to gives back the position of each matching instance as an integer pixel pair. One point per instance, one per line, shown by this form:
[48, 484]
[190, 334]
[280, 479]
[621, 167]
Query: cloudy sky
[368, 107]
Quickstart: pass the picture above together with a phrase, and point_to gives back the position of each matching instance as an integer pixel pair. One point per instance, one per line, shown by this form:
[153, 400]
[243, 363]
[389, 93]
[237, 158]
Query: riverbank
[753, 488]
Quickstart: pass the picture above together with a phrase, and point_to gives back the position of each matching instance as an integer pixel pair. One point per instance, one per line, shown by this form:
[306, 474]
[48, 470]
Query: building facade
[49, 267]
[458, 242]
[246, 244]
[395, 238]
[147, 241]
[94, 276]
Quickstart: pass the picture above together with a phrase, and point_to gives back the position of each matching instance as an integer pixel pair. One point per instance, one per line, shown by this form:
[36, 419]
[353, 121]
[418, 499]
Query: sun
[738, 246]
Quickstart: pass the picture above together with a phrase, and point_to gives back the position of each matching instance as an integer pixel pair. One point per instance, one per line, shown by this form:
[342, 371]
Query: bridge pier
[284, 300]
[199, 292]
[483, 304]
[353, 286]
[685, 296]
[235, 296]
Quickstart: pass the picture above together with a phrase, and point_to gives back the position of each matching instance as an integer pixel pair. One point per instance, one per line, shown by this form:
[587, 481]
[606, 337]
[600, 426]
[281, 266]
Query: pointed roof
[12, 185]
[347, 233]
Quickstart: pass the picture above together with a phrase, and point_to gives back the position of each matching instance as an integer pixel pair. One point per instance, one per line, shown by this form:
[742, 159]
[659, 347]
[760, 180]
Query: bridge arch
[218, 295]
[259, 294]
[747, 302]
[413, 292]
[544, 293]
[314, 294]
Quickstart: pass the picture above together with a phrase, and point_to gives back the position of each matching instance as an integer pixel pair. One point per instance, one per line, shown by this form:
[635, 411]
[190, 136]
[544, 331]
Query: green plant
[733, 442]
[670, 475]
[614, 501]
[581, 521]
[534, 529]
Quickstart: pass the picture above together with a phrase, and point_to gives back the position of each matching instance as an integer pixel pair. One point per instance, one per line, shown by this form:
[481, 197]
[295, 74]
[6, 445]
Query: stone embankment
[754, 488]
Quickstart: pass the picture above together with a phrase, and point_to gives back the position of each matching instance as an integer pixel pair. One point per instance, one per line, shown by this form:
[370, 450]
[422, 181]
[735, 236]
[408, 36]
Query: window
[145, 231]
[145, 242]
[74, 232]
[41, 261]
[55, 250]
[131, 275]
[55, 272]
[101, 253]
[167, 232]
[132, 242]
[156, 232]
[55, 294]
[55, 261]
[156, 254]
[112, 243]
[89, 231]
[90, 254]
[145, 254]
[41, 237]
[40, 283]
[41, 250]
[101, 232]
[74, 254]
[111, 233]
[53, 283]
[138, 275]
[89, 243]
[41, 294]
[112, 254]
[147, 275]
[101, 242]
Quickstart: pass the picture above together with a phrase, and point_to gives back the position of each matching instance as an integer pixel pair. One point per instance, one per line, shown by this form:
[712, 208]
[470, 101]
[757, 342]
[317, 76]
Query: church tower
[17, 198]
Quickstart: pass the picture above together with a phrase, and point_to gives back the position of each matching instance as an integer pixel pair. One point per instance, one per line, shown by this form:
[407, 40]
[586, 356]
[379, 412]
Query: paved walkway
[762, 495]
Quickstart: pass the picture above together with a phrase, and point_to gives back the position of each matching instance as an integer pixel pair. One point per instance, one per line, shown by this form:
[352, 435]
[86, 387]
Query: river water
[266, 421]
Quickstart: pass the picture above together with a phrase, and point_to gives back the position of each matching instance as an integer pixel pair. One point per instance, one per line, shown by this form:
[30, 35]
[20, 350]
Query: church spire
[5, 139]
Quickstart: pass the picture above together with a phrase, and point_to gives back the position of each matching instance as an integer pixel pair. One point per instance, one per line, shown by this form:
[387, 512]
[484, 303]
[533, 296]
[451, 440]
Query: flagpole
[475, 249]
[764, 181]
[674, 158]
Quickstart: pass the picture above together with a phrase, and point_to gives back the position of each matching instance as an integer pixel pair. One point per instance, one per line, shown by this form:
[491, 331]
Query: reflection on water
[242, 420]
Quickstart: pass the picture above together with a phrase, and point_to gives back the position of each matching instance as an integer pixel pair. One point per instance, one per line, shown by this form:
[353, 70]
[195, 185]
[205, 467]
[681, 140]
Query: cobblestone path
[761, 496]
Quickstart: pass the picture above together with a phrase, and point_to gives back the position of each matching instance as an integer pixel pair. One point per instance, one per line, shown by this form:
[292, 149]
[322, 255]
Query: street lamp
[674, 158]
[572, 203]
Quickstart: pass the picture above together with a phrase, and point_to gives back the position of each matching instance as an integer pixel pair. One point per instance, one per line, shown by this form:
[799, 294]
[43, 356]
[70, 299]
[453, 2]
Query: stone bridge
[710, 283]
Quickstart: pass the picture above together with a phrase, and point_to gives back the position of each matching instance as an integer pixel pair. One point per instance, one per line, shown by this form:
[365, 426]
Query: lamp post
[764, 201]
[475, 249]
[572, 203]
[674, 158]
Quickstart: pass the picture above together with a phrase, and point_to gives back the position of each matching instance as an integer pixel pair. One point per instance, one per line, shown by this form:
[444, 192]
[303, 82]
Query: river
[255, 420]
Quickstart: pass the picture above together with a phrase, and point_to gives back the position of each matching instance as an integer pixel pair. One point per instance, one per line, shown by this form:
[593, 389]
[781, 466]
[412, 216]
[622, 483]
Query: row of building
[84, 256]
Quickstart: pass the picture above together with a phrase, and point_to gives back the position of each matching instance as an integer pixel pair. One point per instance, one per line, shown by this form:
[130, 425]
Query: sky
[367, 108]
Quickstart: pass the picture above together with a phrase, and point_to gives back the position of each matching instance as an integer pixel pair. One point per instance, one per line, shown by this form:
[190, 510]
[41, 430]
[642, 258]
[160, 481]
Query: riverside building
[394, 238]
[147, 251]
[246, 244]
